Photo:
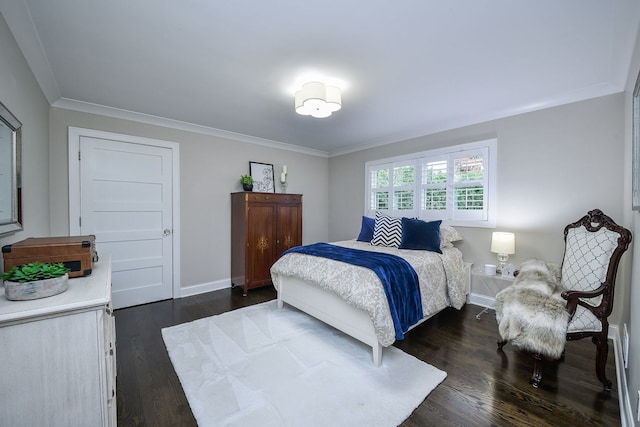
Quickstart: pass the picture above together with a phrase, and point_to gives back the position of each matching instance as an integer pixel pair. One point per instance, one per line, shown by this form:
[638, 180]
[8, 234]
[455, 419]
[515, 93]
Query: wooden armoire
[263, 226]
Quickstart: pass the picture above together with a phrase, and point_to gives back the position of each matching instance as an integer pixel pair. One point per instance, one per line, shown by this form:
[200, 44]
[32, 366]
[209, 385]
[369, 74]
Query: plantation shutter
[433, 189]
[379, 184]
[469, 184]
[454, 184]
[404, 189]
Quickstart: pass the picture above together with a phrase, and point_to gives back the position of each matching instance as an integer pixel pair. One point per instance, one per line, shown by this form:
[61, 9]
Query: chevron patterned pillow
[387, 231]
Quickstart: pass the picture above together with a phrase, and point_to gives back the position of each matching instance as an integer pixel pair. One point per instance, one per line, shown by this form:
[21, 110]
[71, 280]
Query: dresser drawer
[274, 197]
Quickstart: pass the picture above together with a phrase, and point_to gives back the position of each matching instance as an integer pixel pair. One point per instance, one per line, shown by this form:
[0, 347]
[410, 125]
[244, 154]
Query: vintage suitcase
[77, 253]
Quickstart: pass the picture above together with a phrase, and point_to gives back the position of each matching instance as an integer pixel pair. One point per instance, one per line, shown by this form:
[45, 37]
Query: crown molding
[87, 107]
[582, 94]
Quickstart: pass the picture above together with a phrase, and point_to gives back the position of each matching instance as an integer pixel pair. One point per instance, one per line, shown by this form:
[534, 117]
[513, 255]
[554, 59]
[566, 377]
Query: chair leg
[536, 377]
[601, 360]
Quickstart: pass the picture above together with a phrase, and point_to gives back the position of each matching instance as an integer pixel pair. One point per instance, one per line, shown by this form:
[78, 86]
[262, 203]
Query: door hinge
[79, 221]
[78, 155]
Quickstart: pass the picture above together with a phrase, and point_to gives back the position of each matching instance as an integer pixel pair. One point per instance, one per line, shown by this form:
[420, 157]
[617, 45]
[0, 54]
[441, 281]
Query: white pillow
[448, 235]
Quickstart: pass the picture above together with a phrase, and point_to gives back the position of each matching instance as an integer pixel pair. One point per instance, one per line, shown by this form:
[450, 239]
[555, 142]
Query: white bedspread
[441, 281]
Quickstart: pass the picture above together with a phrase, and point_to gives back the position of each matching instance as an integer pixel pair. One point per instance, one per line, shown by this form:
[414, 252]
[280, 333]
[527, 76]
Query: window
[456, 184]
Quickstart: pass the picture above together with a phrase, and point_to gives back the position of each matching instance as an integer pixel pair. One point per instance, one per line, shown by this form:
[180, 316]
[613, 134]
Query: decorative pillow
[448, 235]
[366, 230]
[422, 235]
[387, 231]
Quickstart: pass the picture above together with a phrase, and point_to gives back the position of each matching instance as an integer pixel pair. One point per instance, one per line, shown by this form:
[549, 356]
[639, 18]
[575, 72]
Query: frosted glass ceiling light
[318, 100]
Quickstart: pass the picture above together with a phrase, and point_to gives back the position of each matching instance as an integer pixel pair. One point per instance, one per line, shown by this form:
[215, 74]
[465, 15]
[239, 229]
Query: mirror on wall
[635, 184]
[10, 162]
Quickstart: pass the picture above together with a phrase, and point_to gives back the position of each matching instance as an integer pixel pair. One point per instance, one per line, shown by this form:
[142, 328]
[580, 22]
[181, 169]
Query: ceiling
[407, 68]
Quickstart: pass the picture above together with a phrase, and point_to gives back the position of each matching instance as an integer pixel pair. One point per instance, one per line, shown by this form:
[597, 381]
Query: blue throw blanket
[399, 279]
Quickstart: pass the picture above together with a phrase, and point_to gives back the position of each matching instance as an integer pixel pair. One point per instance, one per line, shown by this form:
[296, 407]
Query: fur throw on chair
[531, 314]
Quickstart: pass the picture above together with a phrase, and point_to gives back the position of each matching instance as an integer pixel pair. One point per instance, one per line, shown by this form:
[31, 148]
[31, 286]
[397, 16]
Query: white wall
[20, 93]
[210, 168]
[553, 166]
[632, 317]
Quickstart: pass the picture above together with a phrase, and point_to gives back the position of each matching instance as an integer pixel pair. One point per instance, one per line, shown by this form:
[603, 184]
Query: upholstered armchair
[593, 247]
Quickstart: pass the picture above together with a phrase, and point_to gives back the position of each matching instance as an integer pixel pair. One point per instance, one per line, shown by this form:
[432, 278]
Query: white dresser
[57, 356]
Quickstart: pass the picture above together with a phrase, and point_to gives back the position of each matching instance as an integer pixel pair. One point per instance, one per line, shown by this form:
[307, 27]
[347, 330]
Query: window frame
[485, 217]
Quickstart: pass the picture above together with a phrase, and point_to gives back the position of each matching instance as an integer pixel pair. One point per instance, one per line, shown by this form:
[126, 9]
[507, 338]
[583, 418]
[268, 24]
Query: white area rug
[260, 366]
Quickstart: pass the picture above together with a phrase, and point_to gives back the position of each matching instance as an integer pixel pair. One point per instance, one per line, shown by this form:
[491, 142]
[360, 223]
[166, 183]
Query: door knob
[166, 232]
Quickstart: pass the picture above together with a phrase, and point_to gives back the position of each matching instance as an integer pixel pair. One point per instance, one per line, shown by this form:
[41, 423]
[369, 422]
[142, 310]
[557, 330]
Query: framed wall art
[263, 178]
[635, 135]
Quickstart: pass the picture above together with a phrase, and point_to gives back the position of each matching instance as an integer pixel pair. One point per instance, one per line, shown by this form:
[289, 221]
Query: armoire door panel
[262, 242]
[289, 227]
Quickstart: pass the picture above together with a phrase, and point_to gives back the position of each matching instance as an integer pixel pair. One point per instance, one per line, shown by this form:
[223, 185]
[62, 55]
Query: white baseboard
[626, 412]
[204, 287]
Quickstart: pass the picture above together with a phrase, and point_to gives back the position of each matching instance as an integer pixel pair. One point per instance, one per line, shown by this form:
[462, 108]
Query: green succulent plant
[246, 179]
[34, 271]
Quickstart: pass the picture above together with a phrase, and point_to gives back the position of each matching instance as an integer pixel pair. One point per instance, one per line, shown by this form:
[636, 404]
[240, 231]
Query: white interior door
[126, 201]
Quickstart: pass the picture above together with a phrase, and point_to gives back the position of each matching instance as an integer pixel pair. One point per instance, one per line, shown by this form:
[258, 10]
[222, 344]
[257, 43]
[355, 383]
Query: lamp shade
[318, 100]
[503, 243]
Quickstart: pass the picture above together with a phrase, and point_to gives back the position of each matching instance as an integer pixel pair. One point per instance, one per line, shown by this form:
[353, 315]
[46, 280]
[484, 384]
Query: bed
[352, 299]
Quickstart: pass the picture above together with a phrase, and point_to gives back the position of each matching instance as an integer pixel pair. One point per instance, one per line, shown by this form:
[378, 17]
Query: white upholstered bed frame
[335, 311]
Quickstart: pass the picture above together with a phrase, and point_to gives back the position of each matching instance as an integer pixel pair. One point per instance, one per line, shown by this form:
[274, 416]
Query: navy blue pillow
[418, 234]
[366, 231]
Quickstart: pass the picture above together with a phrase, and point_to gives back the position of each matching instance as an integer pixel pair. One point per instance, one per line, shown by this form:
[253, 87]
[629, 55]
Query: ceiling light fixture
[318, 100]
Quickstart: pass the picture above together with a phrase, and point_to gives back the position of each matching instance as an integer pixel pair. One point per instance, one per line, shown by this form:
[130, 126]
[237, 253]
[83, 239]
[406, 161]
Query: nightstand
[489, 285]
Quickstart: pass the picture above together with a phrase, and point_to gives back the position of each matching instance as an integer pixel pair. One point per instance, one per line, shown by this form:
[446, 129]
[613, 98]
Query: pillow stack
[407, 233]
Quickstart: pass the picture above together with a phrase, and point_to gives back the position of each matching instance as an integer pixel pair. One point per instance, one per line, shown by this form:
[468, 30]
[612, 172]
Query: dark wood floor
[483, 387]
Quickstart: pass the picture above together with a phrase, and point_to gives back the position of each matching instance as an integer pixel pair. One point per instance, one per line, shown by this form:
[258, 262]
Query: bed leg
[280, 303]
[377, 354]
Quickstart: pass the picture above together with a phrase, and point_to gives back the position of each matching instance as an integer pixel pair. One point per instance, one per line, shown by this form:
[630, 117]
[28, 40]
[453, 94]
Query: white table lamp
[503, 244]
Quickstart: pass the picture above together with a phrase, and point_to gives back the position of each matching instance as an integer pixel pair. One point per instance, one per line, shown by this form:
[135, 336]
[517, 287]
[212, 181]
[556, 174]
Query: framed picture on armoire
[263, 178]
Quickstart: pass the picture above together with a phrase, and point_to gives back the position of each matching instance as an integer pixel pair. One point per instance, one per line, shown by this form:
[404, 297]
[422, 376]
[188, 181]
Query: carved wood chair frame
[593, 222]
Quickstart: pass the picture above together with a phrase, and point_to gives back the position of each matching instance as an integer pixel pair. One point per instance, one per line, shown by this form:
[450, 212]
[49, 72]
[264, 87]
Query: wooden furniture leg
[536, 377]
[602, 351]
